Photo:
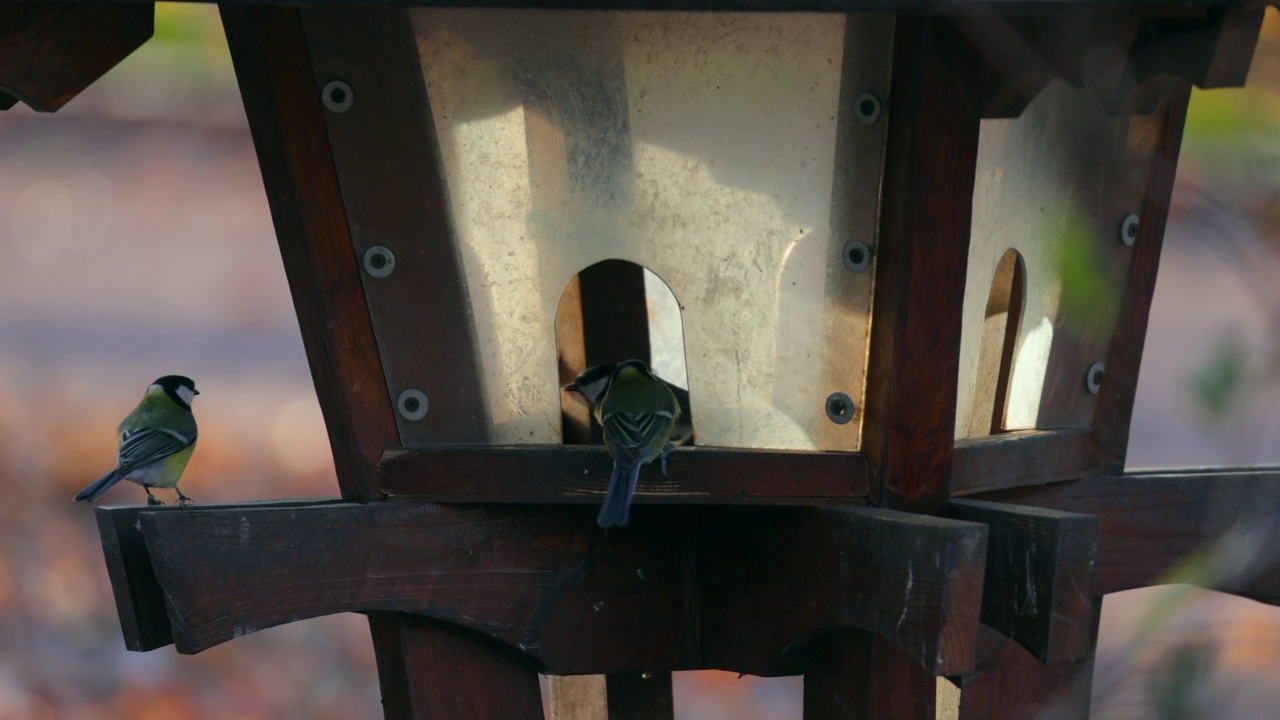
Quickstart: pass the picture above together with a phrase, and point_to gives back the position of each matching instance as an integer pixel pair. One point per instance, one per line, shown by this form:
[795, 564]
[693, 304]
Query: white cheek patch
[186, 393]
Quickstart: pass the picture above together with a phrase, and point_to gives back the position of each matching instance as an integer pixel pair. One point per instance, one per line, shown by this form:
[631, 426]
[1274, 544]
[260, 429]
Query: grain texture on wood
[1028, 457]
[1114, 408]
[538, 578]
[1039, 578]
[139, 599]
[1213, 528]
[532, 473]
[612, 697]
[51, 51]
[926, 209]
[776, 581]
[421, 312]
[277, 84]
[430, 669]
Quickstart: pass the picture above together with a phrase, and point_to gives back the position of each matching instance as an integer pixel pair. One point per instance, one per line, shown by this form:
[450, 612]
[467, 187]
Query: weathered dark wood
[538, 578]
[859, 676]
[421, 312]
[1039, 578]
[51, 51]
[287, 120]
[430, 669]
[542, 473]
[640, 697]
[1214, 528]
[775, 581]
[1011, 684]
[1114, 408]
[927, 205]
[1028, 457]
[139, 599]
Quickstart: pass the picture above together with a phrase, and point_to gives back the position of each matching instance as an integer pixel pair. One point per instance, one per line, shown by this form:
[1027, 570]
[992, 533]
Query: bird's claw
[152, 501]
[662, 457]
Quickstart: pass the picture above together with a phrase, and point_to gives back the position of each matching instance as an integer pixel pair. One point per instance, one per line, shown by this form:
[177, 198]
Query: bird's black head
[593, 382]
[633, 364]
[180, 388]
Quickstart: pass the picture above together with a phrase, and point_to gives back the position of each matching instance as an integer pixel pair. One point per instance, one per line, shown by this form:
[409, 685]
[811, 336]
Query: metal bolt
[867, 107]
[337, 96]
[1093, 378]
[413, 404]
[379, 262]
[1129, 230]
[856, 256]
[840, 408]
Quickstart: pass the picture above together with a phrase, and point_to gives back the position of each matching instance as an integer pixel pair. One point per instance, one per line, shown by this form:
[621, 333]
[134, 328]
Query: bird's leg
[663, 457]
[182, 499]
[151, 499]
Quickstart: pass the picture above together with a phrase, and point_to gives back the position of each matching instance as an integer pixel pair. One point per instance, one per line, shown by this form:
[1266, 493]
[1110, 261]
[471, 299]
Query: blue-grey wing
[147, 445]
[637, 437]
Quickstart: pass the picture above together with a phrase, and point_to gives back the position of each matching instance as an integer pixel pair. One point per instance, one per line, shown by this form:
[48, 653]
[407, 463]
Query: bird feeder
[913, 245]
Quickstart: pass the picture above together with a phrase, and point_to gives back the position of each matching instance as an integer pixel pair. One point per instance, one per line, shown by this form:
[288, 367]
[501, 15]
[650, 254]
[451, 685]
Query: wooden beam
[1214, 528]
[1028, 457]
[139, 599]
[1039, 579]
[1010, 683]
[926, 206]
[421, 312]
[1114, 408]
[775, 582]
[430, 669]
[859, 675]
[51, 51]
[557, 473]
[277, 83]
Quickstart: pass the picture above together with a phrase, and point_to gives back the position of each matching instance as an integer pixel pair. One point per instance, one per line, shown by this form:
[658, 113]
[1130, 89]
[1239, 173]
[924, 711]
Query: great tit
[594, 381]
[638, 412]
[156, 441]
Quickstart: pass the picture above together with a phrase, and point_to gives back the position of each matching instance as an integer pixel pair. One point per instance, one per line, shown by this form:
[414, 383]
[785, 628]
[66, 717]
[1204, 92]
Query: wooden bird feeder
[911, 420]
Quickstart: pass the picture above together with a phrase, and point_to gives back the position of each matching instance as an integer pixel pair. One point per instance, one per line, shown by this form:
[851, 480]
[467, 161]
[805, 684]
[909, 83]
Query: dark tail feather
[99, 486]
[617, 504]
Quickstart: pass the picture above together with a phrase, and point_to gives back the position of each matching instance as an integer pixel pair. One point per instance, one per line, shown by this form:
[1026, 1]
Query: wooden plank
[1028, 457]
[421, 312]
[1214, 528]
[539, 578]
[430, 669]
[612, 697]
[926, 208]
[1114, 408]
[139, 599]
[51, 51]
[858, 675]
[277, 84]
[1010, 683]
[1039, 579]
[558, 473]
[774, 579]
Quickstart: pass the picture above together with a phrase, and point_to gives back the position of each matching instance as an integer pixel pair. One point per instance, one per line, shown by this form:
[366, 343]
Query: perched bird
[156, 441]
[594, 381]
[638, 412]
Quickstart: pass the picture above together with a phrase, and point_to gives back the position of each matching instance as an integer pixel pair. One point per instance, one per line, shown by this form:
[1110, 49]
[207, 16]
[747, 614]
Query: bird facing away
[638, 412]
[156, 441]
[594, 381]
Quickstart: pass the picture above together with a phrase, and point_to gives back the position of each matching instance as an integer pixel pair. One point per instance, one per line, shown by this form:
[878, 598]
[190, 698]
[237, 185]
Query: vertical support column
[431, 670]
[861, 675]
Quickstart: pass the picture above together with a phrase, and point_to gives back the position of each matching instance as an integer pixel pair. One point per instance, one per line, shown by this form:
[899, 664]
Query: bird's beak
[573, 386]
[195, 391]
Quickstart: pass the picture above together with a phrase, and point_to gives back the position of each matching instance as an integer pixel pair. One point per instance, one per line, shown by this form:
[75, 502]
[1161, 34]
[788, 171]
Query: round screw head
[1093, 378]
[1129, 230]
[413, 404]
[856, 256]
[840, 408]
[867, 107]
[337, 96]
[379, 261]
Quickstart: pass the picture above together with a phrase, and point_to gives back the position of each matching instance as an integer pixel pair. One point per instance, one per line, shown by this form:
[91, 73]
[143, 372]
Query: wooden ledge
[659, 595]
[580, 474]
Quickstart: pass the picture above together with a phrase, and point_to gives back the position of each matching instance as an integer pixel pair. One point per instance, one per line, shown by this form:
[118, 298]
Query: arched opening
[996, 351]
[612, 311]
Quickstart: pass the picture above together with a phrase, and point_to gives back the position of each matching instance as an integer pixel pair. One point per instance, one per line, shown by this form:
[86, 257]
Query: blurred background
[135, 241]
